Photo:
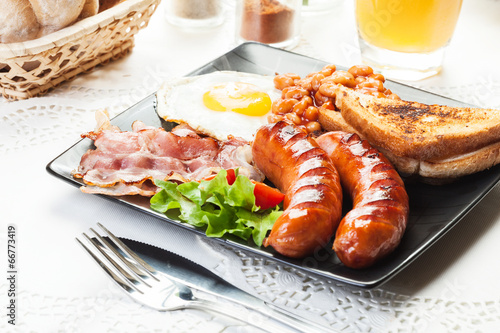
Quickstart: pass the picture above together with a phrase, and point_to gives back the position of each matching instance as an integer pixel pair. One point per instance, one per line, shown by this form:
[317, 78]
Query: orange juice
[416, 26]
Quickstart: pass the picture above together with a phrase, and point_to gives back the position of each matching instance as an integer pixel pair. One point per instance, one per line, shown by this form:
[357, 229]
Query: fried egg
[219, 104]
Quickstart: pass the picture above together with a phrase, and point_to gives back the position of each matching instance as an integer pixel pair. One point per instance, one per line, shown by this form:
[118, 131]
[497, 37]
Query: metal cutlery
[182, 284]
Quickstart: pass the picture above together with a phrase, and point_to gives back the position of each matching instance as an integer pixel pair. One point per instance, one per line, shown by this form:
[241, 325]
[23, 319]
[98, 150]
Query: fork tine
[109, 268]
[113, 257]
[138, 260]
[128, 267]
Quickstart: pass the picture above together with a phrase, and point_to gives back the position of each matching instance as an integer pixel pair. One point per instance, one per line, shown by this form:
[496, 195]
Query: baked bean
[327, 79]
[331, 67]
[302, 105]
[312, 113]
[389, 94]
[378, 77]
[360, 70]
[328, 106]
[377, 94]
[285, 80]
[308, 100]
[328, 89]
[305, 83]
[328, 70]
[319, 98]
[371, 85]
[380, 85]
[301, 97]
[316, 81]
[313, 126]
[342, 77]
[359, 79]
[293, 118]
[299, 111]
[282, 106]
[294, 92]
[274, 118]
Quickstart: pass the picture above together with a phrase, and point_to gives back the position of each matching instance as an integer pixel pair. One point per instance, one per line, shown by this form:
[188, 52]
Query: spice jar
[274, 22]
[194, 13]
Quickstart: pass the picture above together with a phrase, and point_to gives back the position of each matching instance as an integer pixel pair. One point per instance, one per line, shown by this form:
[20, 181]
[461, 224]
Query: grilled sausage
[296, 165]
[375, 225]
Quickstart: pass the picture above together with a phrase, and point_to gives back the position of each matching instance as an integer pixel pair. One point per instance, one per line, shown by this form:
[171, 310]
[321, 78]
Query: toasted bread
[416, 130]
[429, 140]
[448, 168]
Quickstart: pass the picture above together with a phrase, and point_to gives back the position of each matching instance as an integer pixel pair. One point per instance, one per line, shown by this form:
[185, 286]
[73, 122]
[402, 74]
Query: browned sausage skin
[375, 225]
[296, 165]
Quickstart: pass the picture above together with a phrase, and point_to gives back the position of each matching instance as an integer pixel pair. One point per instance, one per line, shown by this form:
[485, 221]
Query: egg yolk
[238, 97]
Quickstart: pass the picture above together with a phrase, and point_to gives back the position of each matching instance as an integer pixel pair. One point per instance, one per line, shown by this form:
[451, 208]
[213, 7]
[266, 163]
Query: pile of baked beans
[302, 98]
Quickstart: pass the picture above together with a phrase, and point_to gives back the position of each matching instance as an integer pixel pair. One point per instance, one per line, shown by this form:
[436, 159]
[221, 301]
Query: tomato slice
[265, 196]
[231, 176]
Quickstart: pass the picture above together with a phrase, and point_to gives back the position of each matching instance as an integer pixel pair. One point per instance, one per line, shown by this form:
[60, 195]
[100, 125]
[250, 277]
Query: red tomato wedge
[231, 176]
[265, 196]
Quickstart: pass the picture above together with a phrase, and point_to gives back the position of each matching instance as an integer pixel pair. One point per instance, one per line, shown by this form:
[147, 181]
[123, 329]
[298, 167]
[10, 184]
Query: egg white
[181, 101]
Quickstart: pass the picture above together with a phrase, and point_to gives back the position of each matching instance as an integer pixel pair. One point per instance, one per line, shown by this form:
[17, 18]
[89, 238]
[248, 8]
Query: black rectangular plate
[434, 210]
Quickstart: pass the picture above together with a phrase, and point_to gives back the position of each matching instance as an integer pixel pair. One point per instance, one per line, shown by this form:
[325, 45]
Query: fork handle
[286, 319]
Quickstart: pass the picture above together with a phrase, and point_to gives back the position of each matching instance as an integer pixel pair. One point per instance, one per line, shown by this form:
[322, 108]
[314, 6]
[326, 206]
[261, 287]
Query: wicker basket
[32, 68]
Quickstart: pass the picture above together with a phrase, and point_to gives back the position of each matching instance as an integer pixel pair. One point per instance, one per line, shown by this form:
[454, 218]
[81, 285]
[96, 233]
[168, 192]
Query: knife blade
[200, 278]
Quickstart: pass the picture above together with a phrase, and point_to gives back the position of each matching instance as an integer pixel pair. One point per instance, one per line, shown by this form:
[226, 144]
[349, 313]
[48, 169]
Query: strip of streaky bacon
[127, 162]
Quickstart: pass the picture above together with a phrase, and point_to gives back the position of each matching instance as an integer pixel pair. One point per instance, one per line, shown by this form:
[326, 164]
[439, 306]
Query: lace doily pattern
[111, 311]
[62, 115]
[55, 117]
[345, 308]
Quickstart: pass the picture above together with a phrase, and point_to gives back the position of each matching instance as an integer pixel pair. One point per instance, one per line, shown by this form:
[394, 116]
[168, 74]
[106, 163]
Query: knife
[203, 280]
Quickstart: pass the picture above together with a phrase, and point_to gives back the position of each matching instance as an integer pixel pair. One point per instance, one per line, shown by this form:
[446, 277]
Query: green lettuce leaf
[218, 207]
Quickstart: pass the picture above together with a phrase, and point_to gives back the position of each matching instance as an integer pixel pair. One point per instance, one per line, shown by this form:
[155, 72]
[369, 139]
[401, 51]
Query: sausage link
[296, 165]
[377, 221]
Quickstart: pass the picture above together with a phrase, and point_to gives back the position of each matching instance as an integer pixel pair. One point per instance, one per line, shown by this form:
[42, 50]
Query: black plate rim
[273, 256]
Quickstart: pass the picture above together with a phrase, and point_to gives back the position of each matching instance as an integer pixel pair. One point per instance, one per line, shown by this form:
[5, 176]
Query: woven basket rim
[72, 32]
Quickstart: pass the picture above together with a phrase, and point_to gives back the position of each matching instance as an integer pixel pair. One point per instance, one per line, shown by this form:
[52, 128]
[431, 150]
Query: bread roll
[106, 4]
[22, 20]
[19, 22]
[54, 15]
[90, 8]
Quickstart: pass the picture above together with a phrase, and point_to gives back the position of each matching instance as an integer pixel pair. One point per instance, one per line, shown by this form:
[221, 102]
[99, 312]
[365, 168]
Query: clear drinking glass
[273, 22]
[406, 39]
[194, 14]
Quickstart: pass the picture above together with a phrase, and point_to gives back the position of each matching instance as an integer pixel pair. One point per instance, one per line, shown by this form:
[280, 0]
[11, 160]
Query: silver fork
[164, 293]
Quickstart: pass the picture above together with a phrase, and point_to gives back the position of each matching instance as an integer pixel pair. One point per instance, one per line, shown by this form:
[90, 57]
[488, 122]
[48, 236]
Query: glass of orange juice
[406, 39]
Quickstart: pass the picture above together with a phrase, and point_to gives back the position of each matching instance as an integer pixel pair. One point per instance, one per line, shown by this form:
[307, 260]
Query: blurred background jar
[273, 22]
[194, 13]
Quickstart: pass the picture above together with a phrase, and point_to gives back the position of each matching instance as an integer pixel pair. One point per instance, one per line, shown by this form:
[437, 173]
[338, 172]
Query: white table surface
[452, 287]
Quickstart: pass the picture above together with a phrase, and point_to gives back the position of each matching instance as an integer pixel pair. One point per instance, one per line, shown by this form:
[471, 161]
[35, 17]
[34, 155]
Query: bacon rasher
[126, 163]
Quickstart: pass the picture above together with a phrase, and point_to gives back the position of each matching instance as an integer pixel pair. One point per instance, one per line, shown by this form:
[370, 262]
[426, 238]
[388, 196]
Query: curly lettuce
[218, 207]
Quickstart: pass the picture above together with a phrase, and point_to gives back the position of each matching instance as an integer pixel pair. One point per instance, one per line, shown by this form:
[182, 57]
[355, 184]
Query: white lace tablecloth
[452, 287]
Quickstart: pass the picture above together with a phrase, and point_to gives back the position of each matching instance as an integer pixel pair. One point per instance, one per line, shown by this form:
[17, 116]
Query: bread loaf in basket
[33, 67]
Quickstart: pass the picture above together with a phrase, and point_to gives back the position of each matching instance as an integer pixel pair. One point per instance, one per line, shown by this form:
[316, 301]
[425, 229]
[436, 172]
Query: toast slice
[434, 142]
[416, 130]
